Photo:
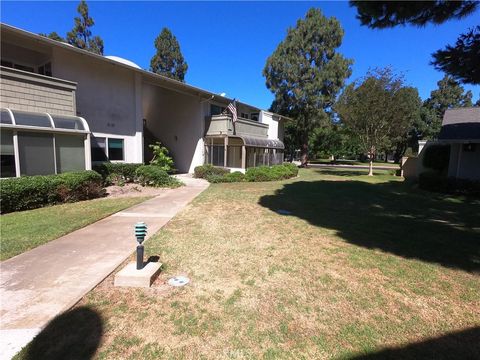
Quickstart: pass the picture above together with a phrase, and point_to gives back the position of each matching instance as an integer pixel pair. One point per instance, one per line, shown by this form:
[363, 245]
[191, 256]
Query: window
[36, 153]
[45, 69]
[69, 153]
[234, 157]
[67, 122]
[244, 115]
[115, 149]
[7, 154]
[41, 149]
[23, 67]
[105, 149]
[99, 148]
[216, 110]
[254, 116]
[31, 119]
[214, 154]
[5, 117]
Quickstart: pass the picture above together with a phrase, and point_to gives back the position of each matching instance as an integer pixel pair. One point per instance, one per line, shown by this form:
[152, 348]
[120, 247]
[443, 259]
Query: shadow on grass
[388, 216]
[463, 345]
[75, 334]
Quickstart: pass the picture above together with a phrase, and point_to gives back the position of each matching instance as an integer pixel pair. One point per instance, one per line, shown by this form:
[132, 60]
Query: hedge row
[30, 192]
[153, 175]
[271, 173]
[204, 171]
[435, 181]
[255, 174]
[117, 173]
[146, 175]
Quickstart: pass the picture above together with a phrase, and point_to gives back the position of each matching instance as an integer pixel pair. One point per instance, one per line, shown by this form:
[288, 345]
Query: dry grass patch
[271, 286]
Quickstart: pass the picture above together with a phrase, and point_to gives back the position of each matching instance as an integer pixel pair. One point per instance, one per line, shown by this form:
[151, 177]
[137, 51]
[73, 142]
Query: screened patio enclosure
[41, 143]
[242, 152]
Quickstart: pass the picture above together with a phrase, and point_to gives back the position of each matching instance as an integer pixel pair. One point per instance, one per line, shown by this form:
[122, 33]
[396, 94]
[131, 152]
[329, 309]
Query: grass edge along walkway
[25, 230]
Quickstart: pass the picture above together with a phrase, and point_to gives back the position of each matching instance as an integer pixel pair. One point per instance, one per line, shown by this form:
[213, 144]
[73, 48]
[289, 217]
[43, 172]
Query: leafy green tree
[168, 60]
[81, 35]
[426, 126]
[335, 141]
[450, 94]
[54, 36]
[407, 105]
[305, 73]
[377, 111]
[460, 61]
[385, 14]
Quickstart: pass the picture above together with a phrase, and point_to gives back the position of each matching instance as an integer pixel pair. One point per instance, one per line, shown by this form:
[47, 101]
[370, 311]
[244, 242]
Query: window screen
[99, 149]
[36, 153]
[218, 155]
[7, 154]
[70, 153]
[115, 149]
[234, 156]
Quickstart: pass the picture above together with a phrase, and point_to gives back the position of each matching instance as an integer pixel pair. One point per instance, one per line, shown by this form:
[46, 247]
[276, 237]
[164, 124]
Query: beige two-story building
[64, 109]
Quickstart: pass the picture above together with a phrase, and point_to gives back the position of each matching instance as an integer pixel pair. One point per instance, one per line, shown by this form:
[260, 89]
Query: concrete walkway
[346, 166]
[38, 285]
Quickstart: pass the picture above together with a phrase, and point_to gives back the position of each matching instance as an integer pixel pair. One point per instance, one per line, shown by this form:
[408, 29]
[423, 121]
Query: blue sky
[226, 44]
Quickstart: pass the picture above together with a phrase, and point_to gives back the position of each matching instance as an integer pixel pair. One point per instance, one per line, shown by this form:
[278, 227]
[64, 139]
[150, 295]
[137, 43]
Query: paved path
[38, 285]
[346, 166]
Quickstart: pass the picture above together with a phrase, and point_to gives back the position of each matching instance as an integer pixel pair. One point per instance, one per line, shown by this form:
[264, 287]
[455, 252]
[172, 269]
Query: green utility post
[140, 233]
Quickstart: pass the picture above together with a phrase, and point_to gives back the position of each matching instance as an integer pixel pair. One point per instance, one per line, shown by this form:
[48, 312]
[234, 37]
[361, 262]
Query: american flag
[232, 107]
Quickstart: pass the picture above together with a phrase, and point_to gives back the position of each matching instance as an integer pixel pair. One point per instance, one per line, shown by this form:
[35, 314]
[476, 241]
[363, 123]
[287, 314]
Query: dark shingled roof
[461, 124]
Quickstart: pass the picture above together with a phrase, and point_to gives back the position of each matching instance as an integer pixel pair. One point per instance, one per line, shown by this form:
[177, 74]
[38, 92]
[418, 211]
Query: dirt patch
[133, 190]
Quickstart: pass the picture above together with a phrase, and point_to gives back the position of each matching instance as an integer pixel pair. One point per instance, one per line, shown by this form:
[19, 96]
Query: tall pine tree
[305, 73]
[81, 35]
[168, 60]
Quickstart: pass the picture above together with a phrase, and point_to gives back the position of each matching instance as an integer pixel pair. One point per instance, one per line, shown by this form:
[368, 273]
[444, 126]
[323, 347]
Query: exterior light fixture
[140, 233]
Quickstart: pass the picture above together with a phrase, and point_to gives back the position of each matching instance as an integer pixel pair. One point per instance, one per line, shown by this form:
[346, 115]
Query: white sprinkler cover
[178, 281]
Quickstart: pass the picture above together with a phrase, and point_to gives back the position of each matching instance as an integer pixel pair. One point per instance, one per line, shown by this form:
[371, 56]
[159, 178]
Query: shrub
[117, 173]
[432, 181]
[160, 157]
[30, 192]
[436, 157]
[152, 175]
[271, 173]
[236, 176]
[203, 171]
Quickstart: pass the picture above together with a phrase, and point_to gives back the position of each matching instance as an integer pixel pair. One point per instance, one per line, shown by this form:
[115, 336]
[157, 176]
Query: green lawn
[24, 230]
[362, 268]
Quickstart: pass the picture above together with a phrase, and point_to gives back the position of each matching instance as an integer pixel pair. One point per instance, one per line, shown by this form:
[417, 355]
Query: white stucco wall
[108, 97]
[275, 127]
[178, 121]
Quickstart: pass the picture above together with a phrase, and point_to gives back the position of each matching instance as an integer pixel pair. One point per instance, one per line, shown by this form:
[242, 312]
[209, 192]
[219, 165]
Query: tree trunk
[304, 156]
[371, 158]
[304, 151]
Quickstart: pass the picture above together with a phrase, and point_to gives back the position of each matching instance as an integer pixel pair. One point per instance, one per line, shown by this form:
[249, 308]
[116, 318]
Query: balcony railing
[223, 125]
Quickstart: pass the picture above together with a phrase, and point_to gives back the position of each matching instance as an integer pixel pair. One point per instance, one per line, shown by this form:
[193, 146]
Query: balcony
[26, 91]
[223, 125]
